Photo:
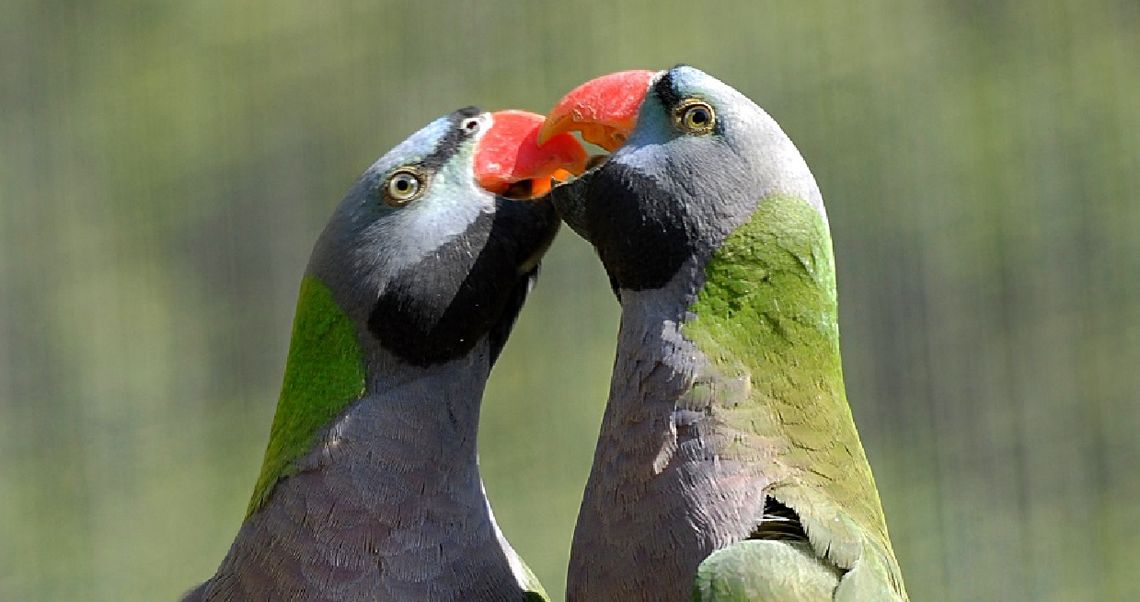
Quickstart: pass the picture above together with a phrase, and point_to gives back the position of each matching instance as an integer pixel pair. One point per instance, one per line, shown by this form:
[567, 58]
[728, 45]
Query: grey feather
[387, 502]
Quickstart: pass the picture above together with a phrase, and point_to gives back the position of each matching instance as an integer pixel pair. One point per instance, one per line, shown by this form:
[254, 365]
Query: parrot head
[691, 158]
[438, 242]
[432, 251]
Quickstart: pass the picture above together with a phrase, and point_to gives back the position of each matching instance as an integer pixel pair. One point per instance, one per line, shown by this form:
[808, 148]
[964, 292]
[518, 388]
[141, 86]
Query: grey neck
[650, 345]
[389, 504]
[657, 489]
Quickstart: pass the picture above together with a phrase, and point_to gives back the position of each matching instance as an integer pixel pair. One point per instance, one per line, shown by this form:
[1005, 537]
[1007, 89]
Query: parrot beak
[604, 109]
[509, 160]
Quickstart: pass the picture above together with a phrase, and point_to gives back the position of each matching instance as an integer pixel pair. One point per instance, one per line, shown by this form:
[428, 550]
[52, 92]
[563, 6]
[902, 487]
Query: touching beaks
[603, 109]
[510, 161]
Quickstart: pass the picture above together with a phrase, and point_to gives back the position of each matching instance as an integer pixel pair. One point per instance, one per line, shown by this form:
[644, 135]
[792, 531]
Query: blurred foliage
[165, 167]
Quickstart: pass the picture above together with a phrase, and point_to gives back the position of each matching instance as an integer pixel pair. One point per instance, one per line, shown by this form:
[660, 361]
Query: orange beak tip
[540, 187]
[510, 153]
[561, 175]
[603, 109]
[552, 127]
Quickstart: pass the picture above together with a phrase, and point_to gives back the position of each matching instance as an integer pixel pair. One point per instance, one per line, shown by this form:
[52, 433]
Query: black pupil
[403, 184]
[700, 116]
[471, 124]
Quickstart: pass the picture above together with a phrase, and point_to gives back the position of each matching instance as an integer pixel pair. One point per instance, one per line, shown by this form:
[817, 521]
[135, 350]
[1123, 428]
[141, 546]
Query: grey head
[695, 165]
[425, 259]
[371, 490]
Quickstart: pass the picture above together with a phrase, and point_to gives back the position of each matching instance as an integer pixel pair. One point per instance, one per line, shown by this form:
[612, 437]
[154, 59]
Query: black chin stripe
[642, 233]
[468, 289]
[452, 140]
[439, 308]
[501, 329]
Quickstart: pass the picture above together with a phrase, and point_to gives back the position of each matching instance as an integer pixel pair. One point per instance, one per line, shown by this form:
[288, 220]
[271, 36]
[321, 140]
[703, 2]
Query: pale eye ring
[471, 124]
[403, 187]
[694, 116]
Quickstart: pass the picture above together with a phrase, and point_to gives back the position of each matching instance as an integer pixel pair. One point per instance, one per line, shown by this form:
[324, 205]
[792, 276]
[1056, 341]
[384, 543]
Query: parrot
[728, 466]
[370, 486]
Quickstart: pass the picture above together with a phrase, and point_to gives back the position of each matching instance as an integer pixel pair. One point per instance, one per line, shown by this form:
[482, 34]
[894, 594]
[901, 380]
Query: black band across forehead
[665, 91]
[455, 136]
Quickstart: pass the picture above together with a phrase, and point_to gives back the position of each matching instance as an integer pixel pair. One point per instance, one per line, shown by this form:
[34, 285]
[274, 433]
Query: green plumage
[767, 318]
[324, 372]
[534, 592]
[753, 570]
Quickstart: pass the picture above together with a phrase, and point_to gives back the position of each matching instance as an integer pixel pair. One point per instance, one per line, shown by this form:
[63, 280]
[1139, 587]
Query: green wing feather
[767, 316]
[756, 570]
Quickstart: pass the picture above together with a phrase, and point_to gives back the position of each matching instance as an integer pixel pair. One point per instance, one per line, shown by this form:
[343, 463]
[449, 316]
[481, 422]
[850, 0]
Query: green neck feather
[769, 295]
[323, 374]
[768, 309]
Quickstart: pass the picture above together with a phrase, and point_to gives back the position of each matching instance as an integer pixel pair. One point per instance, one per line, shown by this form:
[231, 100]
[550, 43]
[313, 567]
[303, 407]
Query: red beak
[509, 154]
[604, 109]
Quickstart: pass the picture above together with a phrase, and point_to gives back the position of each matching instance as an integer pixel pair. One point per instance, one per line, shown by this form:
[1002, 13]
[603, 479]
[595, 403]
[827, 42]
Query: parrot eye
[404, 186]
[694, 117]
[471, 125]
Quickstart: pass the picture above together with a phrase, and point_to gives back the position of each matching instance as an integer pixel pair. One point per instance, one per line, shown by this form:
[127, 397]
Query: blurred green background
[166, 167]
